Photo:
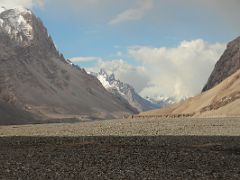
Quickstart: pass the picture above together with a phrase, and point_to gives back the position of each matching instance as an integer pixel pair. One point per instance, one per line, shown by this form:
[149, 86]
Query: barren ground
[123, 149]
[132, 127]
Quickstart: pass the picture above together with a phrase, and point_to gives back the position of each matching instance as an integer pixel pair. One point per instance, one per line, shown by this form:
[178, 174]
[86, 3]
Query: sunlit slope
[222, 100]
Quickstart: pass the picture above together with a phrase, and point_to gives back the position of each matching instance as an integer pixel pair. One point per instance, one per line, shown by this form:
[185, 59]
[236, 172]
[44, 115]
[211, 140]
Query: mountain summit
[18, 24]
[127, 92]
[37, 79]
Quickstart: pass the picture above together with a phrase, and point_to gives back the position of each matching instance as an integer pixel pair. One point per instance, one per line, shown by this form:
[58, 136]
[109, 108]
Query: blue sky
[84, 33]
[160, 47]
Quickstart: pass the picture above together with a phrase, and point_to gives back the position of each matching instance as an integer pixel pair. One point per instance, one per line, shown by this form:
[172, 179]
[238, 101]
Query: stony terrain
[143, 149]
[132, 127]
[159, 157]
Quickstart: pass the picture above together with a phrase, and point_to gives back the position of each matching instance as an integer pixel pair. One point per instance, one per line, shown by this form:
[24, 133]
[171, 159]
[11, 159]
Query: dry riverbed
[131, 127]
[122, 149]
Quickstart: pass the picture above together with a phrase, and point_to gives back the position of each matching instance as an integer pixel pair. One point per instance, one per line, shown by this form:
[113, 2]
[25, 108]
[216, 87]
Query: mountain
[36, 79]
[228, 64]
[221, 100]
[161, 101]
[127, 92]
[9, 112]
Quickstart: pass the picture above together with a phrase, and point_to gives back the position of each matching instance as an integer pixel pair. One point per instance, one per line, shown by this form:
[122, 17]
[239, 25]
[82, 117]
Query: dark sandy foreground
[159, 157]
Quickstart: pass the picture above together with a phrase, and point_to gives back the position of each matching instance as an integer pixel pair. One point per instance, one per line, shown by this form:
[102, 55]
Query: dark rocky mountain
[37, 79]
[228, 64]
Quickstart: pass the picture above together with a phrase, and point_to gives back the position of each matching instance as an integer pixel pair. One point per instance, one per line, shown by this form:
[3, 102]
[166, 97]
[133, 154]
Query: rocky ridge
[227, 65]
[37, 79]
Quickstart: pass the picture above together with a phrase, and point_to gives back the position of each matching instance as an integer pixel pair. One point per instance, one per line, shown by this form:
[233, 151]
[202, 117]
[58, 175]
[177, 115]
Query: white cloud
[136, 76]
[133, 13]
[85, 59]
[24, 3]
[180, 71]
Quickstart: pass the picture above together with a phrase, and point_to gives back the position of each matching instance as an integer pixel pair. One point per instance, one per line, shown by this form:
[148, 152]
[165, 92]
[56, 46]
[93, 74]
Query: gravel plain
[122, 149]
[131, 127]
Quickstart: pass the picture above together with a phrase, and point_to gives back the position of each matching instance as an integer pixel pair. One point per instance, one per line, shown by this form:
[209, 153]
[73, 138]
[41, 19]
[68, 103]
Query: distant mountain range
[38, 83]
[127, 92]
[221, 94]
[162, 101]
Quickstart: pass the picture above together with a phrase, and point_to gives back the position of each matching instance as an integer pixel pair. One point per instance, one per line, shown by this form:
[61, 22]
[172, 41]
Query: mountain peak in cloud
[126, 92]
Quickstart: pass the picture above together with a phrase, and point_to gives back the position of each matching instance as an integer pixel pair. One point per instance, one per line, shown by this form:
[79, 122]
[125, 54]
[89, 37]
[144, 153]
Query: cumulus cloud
[133, 13]
[180, 71]
[134, 75]
[24, 3]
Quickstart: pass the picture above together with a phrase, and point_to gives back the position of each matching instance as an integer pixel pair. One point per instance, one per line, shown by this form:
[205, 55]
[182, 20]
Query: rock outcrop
[228, 64]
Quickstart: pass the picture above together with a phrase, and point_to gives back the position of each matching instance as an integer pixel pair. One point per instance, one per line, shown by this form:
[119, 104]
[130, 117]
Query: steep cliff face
[36, 77]
[228, 64]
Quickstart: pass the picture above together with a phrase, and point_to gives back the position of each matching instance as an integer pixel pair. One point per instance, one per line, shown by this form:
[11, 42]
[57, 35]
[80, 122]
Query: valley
[137, 108]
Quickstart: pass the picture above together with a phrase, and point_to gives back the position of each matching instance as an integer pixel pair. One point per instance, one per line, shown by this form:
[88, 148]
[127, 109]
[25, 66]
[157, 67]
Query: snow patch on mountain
[162, 101]
[127, 92]
[2, 8]
[110, 82]
[16, 24]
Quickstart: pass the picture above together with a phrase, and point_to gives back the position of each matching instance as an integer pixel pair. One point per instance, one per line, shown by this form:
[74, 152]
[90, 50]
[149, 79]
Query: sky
[161, 48]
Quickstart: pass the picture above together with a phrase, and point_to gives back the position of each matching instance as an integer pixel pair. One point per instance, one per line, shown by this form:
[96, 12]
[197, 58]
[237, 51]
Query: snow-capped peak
[110, 78]
[18, 9]
[22, 10]
[2, 8]
[125, 91]
[16, 23]
[162, 100]
[110, 82]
